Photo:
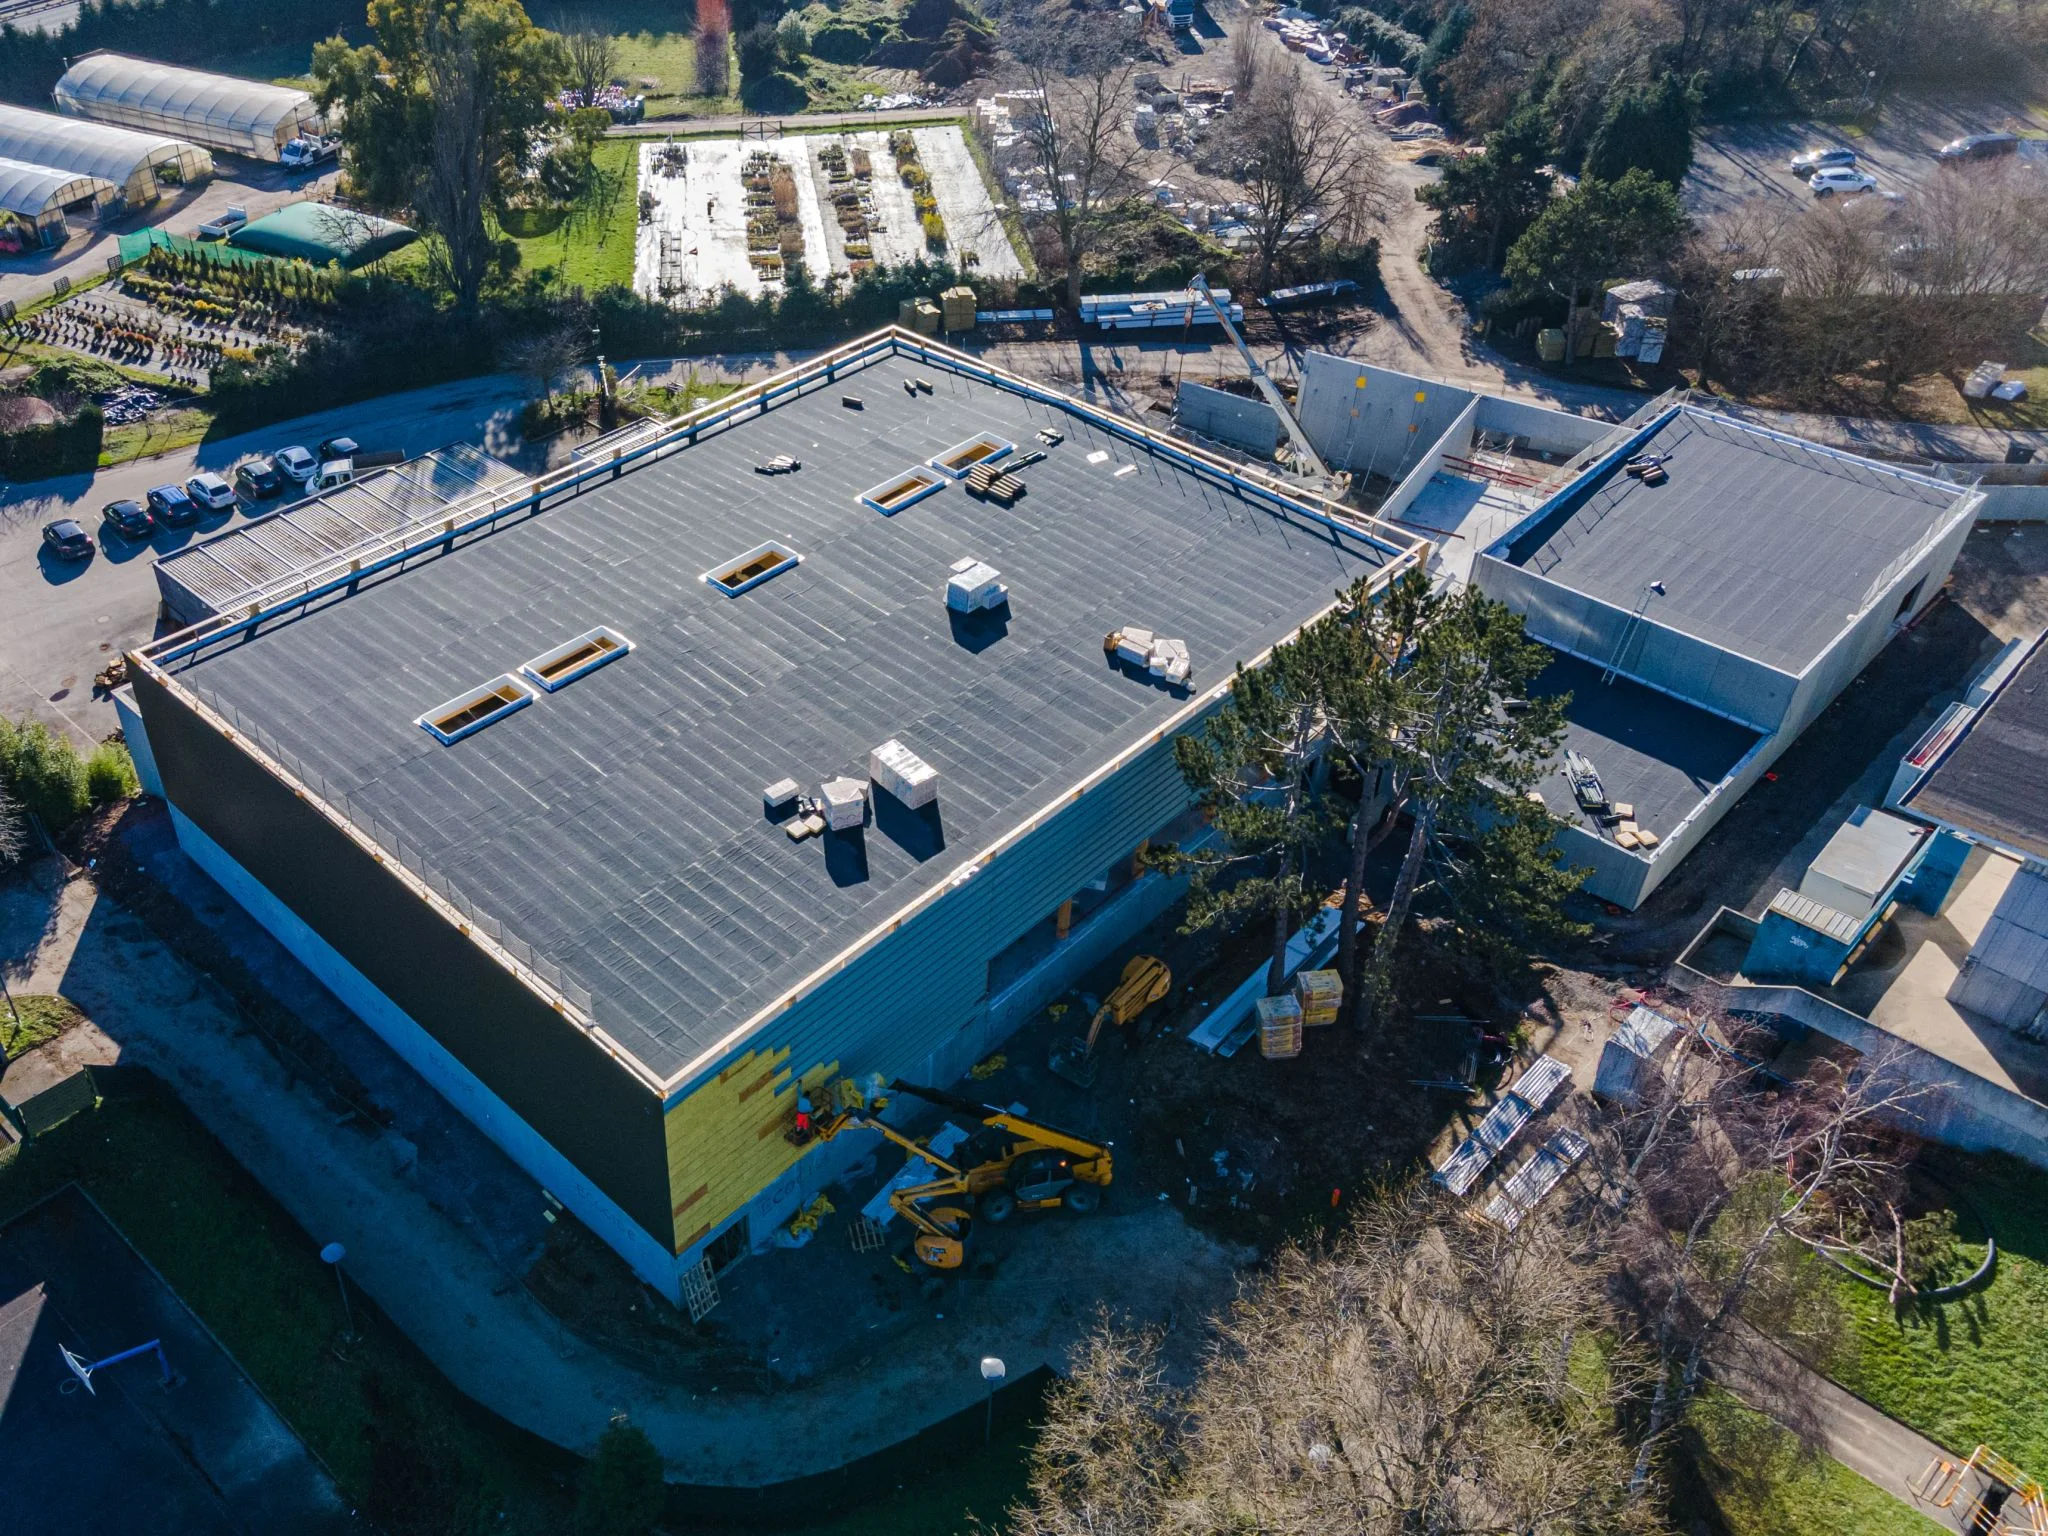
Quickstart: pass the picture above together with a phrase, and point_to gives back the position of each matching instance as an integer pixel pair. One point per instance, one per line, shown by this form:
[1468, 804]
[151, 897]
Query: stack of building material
[1635, 1055]
[904, 774]
[956, 307]
[845, 803]
[1320, 994]
[995, 484]
[1504, 1122]
[1982, 380]
[1279, 1028]
[1170, 660]
[919, 315]
[1536, 1178]
[1550, 345]
[975, 585]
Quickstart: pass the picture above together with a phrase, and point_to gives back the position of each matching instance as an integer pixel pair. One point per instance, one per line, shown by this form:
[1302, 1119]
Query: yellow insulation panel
[725, 1141]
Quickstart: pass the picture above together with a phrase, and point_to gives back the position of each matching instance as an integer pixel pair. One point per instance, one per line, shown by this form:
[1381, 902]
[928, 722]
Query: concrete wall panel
[1368, 419]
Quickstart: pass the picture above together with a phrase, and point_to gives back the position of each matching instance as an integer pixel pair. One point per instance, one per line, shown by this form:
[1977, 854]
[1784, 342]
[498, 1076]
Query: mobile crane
[1010, 1164]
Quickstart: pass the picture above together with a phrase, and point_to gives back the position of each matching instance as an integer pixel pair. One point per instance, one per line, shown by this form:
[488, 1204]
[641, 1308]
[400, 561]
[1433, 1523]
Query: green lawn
[1765, 1484]
[590, 251]
[256, 1280]
[1975, 1371]
[36, 1019]
[654, 42]
[179, 427]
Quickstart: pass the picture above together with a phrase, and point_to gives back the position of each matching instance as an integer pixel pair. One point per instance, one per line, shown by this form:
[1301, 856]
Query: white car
[1821, 160]
[298, 464]
[211, 492]
[1840, 179]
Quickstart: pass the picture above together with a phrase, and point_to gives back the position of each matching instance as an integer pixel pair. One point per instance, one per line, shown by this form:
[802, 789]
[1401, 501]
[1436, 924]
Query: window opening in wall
[729, 1247]
[1908, 602]
[572, 659]
[468, 713]
[754, 567]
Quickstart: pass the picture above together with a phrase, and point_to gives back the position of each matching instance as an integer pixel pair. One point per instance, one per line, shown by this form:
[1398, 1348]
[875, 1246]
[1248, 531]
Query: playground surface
[207, 1454]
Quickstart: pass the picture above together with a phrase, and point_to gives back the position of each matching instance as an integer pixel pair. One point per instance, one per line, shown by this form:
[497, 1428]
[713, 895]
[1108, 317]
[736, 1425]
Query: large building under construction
[508, 766]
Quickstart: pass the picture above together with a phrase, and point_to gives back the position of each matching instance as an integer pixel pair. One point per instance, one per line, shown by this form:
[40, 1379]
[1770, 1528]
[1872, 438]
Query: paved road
[809, 122]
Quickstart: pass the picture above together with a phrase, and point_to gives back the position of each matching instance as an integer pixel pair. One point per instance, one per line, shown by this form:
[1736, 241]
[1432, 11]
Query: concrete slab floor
[815, 1357]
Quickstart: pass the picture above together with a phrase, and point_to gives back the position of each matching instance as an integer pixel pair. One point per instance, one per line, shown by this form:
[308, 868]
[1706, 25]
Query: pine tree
[1649, 128]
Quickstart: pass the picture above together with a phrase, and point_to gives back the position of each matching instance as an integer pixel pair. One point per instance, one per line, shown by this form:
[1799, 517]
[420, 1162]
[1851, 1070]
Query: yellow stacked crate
[1279, 1028]
[957, 304]
[1320, 994]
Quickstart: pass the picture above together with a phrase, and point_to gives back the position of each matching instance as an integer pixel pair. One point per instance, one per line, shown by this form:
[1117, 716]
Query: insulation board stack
[1320, 994]
[956, 306]
[919, 315]
[1550, 345]
[846, 803]
[1279, 1028]
[904, 774]
[975, 585]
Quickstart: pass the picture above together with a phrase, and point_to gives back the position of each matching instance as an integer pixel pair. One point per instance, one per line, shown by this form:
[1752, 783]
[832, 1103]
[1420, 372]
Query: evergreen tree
[1649, 128]
[1600, 229]
[1500, 191]
[621, 1492]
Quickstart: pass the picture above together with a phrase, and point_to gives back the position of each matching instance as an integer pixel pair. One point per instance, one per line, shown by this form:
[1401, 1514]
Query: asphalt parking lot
[61, 622]
[1737, 162]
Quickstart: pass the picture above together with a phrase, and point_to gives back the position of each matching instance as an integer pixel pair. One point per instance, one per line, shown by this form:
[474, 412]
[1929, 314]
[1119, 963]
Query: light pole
[992, 1371]
[333, 1254]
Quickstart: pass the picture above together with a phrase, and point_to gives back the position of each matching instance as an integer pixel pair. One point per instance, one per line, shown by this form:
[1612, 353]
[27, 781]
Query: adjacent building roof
[321, 232]
[250, 117]
[91, 149]
[616, 826]
[1654, 752]
[1993, 780]
[33, 190]
[1766, 545]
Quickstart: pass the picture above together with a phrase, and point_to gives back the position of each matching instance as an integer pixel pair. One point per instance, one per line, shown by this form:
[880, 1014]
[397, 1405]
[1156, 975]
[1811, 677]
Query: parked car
[211, 492]
[67, 539]
[1977, 146]
[297, 464]
[172, 507]
[1821, 160]
[1828, 183]
[129, 519]
[338, 448]
[259, 479]
[223, 226]
[304, 153]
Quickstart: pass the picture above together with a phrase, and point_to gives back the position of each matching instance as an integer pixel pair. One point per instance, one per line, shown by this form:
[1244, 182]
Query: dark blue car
[173, 506]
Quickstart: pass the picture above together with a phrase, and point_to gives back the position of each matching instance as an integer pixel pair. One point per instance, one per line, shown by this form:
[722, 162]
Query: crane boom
[1264, 381]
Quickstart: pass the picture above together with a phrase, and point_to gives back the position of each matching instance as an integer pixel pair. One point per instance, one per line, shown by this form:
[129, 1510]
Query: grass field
[1974, 1371]
[35, 1019]
[591, 252]
[1938, 399]
[1765, 1484]
[179, 427]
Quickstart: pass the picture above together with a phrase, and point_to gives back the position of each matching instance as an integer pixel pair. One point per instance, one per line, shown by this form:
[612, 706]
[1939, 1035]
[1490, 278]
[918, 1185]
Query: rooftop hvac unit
[975, 585]
[845, 803]
[904, 774]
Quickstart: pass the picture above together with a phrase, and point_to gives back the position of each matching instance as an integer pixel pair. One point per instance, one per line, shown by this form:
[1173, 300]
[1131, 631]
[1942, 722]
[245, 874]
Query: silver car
[1821, 160]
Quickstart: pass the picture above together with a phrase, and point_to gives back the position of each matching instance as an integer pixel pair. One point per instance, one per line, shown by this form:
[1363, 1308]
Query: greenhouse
[243, 117]
[34, 199]
[140, 165]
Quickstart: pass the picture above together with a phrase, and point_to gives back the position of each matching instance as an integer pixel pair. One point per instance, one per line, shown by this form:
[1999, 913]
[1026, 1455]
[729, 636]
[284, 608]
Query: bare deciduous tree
[1310, 167]
[1423, 1374]
[592, 54]
[1080, 141]
[456, 188]
[714, 61]
[542, 358]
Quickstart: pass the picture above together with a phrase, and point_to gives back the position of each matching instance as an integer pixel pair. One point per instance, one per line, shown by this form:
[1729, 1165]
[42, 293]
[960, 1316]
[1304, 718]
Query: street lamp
[992, 1371]
[333, 1254]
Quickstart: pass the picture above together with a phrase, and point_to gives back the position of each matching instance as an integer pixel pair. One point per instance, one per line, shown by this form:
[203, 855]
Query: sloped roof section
[249, 117]
[91, 149]
[32, 190]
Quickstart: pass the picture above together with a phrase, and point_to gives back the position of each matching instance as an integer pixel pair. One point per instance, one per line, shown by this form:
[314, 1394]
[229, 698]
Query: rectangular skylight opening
[754, 567]
[962, 457]
[468, 713]
[893, 495]
[572, 659]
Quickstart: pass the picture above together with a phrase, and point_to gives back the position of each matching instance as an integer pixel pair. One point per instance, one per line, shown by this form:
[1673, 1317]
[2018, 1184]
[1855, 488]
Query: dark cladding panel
[554, 1077]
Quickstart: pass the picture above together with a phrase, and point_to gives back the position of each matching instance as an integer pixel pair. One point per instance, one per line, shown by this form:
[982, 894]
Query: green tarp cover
[320, 233]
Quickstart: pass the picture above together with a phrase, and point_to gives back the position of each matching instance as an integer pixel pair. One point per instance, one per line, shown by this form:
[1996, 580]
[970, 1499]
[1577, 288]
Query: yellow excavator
[1009, 1164]
[1146, 979]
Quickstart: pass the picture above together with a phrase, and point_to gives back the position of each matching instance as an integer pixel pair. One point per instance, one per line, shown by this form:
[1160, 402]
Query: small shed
[322, 233]
[1634, 1054]
[1863, 861]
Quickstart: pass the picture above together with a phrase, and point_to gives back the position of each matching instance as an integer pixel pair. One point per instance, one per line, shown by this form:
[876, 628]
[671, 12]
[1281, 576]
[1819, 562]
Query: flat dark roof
[616, 826]
[1994, 779]
[1656, 753]
[1765, 545]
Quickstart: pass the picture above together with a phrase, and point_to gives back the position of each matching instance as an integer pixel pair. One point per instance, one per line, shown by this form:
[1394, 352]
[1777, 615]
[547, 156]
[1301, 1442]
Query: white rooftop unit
[904, 774]
[138, 164]
[846, 803]
[975, 585]
[245, 117]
